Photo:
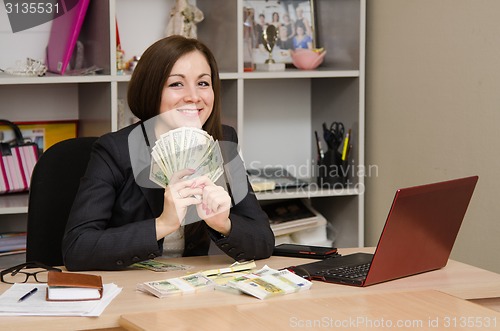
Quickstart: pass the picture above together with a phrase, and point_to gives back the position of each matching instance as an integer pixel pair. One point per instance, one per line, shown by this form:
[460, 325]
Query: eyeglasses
[16, 274]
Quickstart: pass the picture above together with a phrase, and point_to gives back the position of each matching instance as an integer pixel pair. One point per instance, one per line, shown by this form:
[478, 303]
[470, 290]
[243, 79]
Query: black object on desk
[305, 251]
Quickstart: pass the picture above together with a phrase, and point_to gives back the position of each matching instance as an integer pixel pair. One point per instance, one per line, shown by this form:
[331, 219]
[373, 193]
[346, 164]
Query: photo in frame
[294, 22]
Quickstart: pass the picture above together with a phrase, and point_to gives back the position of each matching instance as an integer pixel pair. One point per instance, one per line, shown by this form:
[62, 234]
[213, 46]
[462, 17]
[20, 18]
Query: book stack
[290, 216]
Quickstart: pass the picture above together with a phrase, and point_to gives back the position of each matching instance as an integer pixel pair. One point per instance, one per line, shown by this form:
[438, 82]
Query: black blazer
[112, 222]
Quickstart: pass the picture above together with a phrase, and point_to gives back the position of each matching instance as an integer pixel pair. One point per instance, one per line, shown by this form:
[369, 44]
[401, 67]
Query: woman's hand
[179, 195]
[214, 206]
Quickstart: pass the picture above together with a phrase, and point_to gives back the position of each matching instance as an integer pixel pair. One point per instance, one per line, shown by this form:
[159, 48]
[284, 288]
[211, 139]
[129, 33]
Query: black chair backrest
[53, 187]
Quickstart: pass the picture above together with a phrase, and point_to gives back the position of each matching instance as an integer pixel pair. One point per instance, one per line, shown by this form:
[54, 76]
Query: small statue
[183, 19]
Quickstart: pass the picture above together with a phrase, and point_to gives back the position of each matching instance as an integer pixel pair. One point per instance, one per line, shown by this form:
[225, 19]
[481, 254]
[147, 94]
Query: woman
[119, 217]
[260, 27]
[302, 40]
[290, 26]
[276, 20]
[283, 41]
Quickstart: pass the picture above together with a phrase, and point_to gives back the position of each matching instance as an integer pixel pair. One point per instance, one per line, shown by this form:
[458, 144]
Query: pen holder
[332, 171]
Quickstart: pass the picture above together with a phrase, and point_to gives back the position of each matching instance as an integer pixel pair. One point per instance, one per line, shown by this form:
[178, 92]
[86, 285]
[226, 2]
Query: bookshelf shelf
[6, 79]
[274, 113]
[295, 73]
[13, 204]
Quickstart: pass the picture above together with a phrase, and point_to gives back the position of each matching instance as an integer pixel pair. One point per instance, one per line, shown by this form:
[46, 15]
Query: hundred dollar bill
[164, 154]
[158, 164]
[197, 146]
[211, 165]
[183, 145]
[174, 141]
[185, 148]
[157, 175]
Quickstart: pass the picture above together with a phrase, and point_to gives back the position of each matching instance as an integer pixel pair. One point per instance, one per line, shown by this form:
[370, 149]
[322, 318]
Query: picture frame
[294, 20]
[43, 133]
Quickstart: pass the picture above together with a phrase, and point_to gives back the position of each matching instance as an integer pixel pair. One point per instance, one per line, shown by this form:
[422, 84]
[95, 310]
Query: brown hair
[149, 77]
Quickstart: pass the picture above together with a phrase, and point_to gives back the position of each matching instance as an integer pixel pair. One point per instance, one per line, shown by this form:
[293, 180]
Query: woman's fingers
[215, 199]
[180, 175]
[182, 188]
[200, 190]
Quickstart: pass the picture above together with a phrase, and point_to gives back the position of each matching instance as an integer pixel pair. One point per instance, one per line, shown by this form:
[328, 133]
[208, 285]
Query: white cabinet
[275, 113]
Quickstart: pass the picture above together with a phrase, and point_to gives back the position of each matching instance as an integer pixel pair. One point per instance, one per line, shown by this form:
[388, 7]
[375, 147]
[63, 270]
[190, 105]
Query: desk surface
[457, 279]
[414, 310]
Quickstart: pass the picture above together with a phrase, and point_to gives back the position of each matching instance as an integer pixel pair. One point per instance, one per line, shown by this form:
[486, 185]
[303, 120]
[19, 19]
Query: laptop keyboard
[351, 272]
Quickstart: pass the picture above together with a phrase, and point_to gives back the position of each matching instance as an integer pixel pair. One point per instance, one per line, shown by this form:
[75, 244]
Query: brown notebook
[70, 286]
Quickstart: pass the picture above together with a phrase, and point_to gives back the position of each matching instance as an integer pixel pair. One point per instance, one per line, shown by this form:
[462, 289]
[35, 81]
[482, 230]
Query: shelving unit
[275, 113]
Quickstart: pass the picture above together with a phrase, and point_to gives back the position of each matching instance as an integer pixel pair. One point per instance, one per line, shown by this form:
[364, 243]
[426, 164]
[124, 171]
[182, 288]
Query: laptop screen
[421, 229]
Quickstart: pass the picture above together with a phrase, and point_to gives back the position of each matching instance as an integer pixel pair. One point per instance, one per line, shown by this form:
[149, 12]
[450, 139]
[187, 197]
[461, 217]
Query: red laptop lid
[421, 228]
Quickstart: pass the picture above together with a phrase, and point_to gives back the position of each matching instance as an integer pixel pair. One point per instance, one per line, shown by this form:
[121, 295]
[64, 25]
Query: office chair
[53, 187]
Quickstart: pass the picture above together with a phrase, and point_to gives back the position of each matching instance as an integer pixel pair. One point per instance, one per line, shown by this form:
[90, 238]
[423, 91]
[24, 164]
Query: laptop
[418, 236]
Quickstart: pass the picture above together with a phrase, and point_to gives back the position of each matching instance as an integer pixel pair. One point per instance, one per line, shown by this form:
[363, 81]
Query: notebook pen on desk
[27, 295]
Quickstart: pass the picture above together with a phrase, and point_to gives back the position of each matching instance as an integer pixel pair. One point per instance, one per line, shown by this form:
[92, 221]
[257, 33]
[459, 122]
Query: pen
[321, 155]
[27, 295]
[346, 144]
[349, 146]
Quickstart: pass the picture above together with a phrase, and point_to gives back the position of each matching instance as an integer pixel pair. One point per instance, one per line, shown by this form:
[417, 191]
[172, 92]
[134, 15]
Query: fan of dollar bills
[185, 148]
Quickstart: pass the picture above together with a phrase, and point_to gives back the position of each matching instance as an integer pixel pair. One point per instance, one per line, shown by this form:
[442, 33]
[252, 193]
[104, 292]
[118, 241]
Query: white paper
[36, 304]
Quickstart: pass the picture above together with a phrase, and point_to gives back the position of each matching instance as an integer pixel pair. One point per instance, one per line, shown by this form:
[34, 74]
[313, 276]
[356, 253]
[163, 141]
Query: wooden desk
[417, 310]
[458, 279]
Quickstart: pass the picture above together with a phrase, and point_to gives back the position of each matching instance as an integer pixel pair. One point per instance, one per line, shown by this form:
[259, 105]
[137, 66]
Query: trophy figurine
[270, 36]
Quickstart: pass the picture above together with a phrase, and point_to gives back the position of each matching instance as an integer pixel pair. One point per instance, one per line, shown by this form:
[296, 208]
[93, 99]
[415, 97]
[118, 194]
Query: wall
[433, 110]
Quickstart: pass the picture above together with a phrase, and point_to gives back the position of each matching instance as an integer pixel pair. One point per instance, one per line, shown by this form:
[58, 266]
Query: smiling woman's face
[188, 97]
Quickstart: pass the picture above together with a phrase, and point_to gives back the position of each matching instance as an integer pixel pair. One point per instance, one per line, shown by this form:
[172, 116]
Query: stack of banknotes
[178, 285]
[262, 284]
[185, 148]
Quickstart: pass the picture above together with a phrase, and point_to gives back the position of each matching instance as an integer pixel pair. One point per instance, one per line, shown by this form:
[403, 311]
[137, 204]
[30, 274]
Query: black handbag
[17, 160]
